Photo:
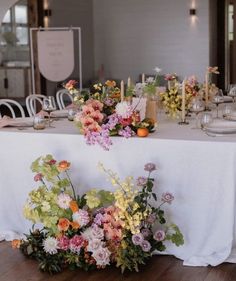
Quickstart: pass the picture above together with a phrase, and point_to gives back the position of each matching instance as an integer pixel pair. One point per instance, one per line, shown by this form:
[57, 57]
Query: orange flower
[16, 244]
[63, 224]
[110, 84]
[63, 166]
[75, 225]
[74, 206]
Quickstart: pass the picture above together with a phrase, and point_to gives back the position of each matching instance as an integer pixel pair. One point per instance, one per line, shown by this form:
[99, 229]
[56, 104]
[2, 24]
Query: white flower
[50, 245]
[150, 80]
[81, 217]
[157, 69]
[102, 256]
[139, 89]
[123, 109]
[94, 232]
[94, 245]
[63, 201]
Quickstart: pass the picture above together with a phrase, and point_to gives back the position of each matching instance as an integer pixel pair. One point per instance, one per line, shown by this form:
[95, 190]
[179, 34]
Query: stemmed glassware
[218, 99]
[49, 105]
[206, 119]
[197, 106]
[232, 92]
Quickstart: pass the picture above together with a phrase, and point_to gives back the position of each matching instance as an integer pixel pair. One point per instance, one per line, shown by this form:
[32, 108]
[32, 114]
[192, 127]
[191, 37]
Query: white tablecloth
[199, 171]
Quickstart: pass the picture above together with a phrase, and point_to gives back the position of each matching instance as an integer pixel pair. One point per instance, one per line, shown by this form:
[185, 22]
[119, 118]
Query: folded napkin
[60, 113]
[42, 113]
[16, 122]
[228, 99]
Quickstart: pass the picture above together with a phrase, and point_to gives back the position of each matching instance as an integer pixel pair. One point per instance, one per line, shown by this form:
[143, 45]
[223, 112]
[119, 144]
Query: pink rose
[159, 235]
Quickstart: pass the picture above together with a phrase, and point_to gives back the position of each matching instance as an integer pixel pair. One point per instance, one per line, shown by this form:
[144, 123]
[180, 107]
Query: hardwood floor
[15, 267]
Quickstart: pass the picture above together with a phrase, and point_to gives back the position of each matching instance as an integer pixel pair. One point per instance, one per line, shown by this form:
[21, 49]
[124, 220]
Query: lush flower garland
[98, 228]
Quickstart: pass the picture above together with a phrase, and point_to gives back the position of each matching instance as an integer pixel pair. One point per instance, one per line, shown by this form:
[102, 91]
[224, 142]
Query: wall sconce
[193, 12]
[47, 12]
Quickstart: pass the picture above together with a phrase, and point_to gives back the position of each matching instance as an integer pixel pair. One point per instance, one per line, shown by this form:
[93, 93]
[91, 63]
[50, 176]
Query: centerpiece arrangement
[91, 231]
[104, 113]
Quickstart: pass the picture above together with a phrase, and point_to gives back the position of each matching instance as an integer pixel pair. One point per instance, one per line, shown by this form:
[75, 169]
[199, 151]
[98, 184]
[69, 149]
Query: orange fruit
[142, 132]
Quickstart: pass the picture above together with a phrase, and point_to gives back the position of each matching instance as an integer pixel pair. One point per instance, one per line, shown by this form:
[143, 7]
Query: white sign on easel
[56, 54]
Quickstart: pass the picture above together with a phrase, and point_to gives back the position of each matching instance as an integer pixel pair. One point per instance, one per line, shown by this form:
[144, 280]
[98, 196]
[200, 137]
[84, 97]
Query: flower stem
[71, 185]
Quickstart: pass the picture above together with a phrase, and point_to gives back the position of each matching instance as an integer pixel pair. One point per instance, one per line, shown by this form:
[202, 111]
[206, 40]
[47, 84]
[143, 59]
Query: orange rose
[110, 84]
[16, 244]
[63, 224]
[75, 225]
[74, 206]
[63, 166]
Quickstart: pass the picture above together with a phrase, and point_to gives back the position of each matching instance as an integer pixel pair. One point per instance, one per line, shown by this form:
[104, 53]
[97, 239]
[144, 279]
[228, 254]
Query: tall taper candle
[143, 78]
[183, 101]
[129, 82]
[122, 91]
[207, 89]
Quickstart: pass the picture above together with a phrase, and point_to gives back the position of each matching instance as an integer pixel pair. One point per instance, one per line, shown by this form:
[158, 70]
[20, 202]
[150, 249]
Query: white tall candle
[129, 82]
[183, 100]
[143, 78]
[207, 89]
[122, 87]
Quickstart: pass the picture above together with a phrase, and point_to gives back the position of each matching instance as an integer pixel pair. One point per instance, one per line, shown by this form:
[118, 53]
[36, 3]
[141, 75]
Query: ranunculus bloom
[167, 197]
[16, 243]
[63, 224]
[63, 243]
[38, 177]
[137, 239]
[97, 116]
[141, 181]
[52, 162]
[74, 206]
[159, 235]
[146, 246]
[75, 225]
[87, 109]
[86, 121]
[110, 83]
[150, 167]
[63, 166]
[70, 84]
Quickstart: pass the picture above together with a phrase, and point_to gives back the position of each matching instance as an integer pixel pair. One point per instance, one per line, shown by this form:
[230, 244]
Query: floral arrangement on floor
[96, 229]
[172, 98]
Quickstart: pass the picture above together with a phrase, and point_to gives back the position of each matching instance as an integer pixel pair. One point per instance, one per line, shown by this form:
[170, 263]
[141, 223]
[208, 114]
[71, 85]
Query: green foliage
[175, 236]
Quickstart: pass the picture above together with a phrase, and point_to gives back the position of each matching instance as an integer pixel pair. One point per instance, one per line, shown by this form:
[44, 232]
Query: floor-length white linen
[198, 170]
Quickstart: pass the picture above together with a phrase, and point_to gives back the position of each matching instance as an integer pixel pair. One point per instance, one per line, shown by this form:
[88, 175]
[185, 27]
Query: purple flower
[137, 239]
[141, 181]
[102, 138]
[167, 197]
[146, 246]
[98, 219]
[151, 218]
[146, 232]
[159, 235]
[126, 132]
[150, 167]
[109, 101]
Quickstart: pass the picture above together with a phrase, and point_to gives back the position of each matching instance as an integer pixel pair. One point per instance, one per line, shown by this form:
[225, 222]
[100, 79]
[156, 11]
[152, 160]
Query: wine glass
[227, 110]
[206, 119]
[218, 99]
[232, 93]
[49, 105]
[196, 107]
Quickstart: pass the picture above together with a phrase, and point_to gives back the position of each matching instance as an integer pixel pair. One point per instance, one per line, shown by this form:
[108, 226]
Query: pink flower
[86, 121]
[141, 181]
[151, 218]
[96, 105]
[38, 177]
[63, 243]
[167, 197]
[71, 84]
[170, 77]
[52, 162]
[87, 109]
[102, 256]
[97, 116]
[81, 217]
[94, 127]
[76, 243]
[159, 235]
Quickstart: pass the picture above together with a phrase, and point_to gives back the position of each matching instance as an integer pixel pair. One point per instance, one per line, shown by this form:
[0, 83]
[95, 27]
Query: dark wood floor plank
[15, 267]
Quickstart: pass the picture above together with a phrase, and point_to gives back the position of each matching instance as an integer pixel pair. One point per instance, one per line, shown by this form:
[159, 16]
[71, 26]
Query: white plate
[231, 116]
[221, 127]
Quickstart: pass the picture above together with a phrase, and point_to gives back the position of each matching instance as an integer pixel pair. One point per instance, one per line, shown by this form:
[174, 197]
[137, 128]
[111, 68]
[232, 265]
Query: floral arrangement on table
[209, 89]
[72, 87]
[172, 98]
[98, 228]
[103, 115]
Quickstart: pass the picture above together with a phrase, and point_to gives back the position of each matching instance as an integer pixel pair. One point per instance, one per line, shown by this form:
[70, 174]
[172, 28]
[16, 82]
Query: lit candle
[183, 100]
[207, 89]
[143, 78]
[129, 82]
[122, 87]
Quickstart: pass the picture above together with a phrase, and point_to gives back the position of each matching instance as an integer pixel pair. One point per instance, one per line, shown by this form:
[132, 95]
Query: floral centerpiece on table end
[98, 228]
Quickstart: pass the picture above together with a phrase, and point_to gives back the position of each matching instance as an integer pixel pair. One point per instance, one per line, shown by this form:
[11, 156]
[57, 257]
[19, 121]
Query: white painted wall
[134, 36]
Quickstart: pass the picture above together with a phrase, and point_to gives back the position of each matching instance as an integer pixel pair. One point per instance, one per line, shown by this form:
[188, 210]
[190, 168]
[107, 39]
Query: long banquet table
[199, 170]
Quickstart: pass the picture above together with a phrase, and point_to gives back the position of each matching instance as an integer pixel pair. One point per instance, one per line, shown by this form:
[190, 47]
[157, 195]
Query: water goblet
[197, 106]
[49, 105]
[206, 119]
[71, 114]
[227, 110]
[232, 93]
[218, 99]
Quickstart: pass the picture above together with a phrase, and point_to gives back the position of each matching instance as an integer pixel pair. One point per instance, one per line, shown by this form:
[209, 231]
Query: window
[14, 27]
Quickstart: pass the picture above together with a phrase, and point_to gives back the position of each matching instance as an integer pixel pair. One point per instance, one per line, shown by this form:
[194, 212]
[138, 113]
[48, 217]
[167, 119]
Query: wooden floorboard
[15, 267]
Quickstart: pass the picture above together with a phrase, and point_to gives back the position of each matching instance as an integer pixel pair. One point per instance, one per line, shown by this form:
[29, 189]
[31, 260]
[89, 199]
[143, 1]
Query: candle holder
[183, 121]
